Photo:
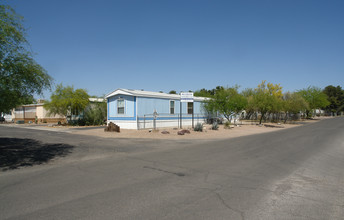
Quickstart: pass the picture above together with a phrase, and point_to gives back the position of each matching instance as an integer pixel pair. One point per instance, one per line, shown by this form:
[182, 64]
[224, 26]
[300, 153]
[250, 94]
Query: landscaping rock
[186, 131]
[112, 127]
[229, 126]
[273, 126]
[165, 132]
[182, 132]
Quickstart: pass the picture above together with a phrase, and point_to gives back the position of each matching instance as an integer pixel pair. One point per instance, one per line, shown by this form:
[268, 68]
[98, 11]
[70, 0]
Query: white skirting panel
[168, 123]
[124, 124]
[148, 124]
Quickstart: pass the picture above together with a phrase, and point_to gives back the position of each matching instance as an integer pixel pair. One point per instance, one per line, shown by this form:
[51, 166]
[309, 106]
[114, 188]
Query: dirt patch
[172, 133]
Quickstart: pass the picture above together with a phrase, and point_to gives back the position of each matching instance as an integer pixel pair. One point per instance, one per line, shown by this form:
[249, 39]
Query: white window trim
[174, 107]
[120, 98]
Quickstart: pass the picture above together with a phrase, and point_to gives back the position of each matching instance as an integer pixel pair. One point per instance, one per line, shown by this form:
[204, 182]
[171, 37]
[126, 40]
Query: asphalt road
[288, 174]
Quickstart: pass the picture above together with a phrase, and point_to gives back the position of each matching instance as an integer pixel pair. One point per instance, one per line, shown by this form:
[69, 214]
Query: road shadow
[16, 152]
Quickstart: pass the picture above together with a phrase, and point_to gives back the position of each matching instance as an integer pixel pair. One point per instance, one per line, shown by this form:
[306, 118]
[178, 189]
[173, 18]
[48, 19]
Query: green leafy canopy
[226, 101]
[67, 101]
[315, 98]
[20, 75]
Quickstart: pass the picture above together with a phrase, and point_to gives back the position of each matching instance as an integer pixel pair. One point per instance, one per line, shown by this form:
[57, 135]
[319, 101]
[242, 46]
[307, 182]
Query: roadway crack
[165, 171]
[228, 206]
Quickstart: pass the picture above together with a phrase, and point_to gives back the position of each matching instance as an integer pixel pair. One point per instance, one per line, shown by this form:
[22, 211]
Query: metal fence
[153, 121]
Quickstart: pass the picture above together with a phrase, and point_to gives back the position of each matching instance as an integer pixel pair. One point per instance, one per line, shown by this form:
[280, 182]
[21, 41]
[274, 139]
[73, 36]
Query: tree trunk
[286, 117]
[227, 117]
[248, 115]
[307, 113]
[261, 118]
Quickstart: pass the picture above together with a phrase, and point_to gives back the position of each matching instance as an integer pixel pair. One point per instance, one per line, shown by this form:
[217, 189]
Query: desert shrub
[81, 122]
[227, 125]
[95, 114]
[214, 126]
[198, 127]
[78, 122]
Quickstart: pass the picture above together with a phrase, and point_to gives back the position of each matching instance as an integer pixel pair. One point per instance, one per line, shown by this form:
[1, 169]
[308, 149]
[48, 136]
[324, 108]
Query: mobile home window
[120, 106]
[172, 107]
[190, 108]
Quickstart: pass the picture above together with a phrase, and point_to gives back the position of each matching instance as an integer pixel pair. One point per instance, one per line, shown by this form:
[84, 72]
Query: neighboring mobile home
[136, 109]
[35, 113]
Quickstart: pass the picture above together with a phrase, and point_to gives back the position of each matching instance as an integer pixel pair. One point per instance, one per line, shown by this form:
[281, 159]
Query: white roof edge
[31, 105]
[96, 99]
[149, 94]
[117, 92]
[40, 104]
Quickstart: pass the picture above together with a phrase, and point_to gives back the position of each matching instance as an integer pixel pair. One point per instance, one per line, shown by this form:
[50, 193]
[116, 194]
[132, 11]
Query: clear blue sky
[186, 44]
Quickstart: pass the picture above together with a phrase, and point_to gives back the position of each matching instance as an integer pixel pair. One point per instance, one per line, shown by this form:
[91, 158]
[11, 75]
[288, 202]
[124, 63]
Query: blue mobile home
[136, 109]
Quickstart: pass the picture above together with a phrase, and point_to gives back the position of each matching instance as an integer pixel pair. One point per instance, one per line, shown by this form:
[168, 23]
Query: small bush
[78, 122]
[215, 126]
[95, 114]
[81, 122]
[227, 125]
[198, 127]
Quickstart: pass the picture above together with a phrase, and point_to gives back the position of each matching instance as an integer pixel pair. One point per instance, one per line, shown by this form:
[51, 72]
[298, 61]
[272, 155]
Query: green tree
[335, 95]
[20, 75]
[267, 98]
[67, 101]
[95, 113]
[208, 93]
[315, 98]
[203, 93]
[172, 92]
[250, 109]
[293, 104]
[227, 101]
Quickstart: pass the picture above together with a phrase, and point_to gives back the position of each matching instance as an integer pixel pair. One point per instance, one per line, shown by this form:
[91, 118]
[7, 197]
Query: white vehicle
[6, 117]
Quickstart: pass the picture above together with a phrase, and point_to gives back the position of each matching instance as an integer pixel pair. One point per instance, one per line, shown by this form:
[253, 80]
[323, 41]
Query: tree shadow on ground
[16, 152]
